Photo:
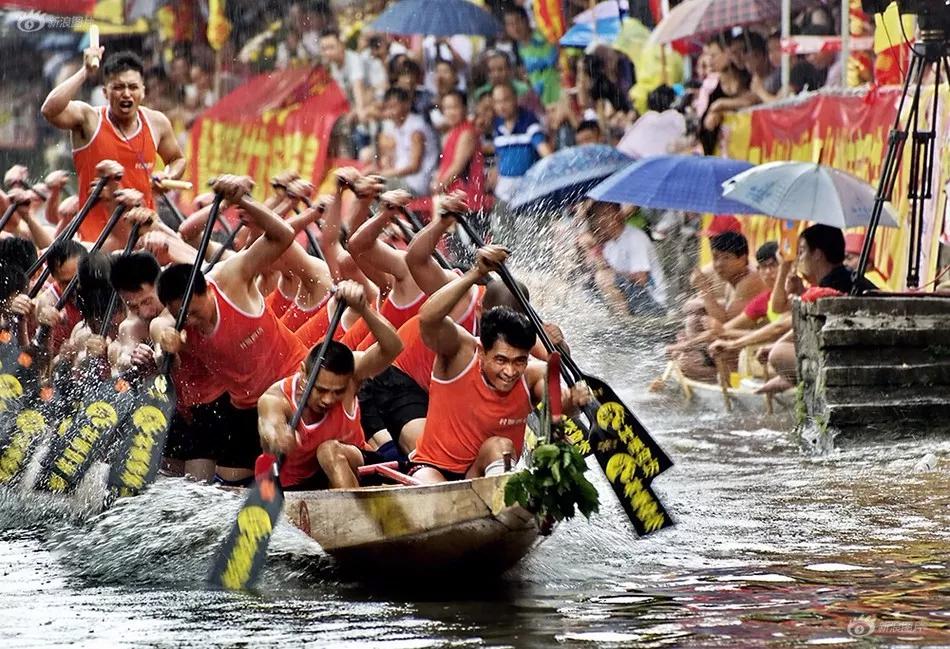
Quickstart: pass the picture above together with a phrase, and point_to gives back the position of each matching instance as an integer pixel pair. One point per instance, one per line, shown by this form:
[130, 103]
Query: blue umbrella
[581, 34]
[565, 176]
[436, 18]
[675, 182]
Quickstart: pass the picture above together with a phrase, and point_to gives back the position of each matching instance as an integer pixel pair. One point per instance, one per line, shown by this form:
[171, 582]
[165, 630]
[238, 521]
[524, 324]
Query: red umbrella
[695, 18]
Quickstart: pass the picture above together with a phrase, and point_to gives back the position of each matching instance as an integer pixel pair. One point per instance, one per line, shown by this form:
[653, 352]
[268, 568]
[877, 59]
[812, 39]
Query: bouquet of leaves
[555, 486]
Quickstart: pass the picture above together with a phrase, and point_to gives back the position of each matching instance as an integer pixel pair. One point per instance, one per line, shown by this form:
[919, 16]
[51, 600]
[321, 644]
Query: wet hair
[173, 282]
[497, 294]
[458, 94]
[508, 325]
[661, 98]
[122, 62]
[827, 239]
[734, 243]
[62, 251]
[131, 272]
[18, 252]
[588, 125]
[397, 93]
[756, 42]
[338, 359]
[12, 282]
[93, 291]
[766, 252]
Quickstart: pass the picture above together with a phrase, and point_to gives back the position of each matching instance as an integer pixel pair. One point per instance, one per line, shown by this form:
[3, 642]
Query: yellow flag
[219, 27]
[887, 28]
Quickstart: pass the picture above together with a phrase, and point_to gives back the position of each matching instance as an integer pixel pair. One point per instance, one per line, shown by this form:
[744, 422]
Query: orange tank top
[355, 334]
[296, 316]
[249, 352]
[136, 155]
[71, 317]
[278, 302]
[453, 435]
[313, 331]
[336, 424]
[396, 315]
[416, 359]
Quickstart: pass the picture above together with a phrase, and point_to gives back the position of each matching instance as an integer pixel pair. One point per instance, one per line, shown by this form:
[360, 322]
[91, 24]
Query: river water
[776, 545]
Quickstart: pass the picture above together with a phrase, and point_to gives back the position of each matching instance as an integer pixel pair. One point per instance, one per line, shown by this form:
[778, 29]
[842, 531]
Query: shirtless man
[230, 329]
[493, 376]
[123, 131]
[730, 252]
[327, 447]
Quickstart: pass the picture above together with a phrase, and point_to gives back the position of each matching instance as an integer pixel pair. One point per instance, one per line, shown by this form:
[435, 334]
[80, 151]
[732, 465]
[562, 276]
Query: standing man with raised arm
[123, 130]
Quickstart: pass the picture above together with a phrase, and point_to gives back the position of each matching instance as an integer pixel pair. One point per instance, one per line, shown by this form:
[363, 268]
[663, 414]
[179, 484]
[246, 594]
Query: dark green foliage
[554, 485]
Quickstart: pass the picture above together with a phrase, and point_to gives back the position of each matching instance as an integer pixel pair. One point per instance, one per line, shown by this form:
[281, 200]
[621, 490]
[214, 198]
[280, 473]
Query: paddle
[240, 559]
[621, 445]
[102, 403]
[142, 435]
[8, 213]
[228, 243]
[408, 235]
[20, 437]
[70, 230]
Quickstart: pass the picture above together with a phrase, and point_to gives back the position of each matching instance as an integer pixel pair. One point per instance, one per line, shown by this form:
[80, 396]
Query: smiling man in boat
[482, 389]
[327, 448]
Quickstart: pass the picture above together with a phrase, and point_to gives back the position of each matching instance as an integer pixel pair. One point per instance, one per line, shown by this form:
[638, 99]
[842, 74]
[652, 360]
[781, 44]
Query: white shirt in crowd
[352, 70]
[402, 135]
[633, 252]
[461, 44]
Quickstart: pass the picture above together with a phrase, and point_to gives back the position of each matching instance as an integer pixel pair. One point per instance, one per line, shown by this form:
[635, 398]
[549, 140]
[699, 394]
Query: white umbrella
[805, 191]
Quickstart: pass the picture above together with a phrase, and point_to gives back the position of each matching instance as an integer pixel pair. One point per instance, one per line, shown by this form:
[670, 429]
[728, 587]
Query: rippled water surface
[775, 545]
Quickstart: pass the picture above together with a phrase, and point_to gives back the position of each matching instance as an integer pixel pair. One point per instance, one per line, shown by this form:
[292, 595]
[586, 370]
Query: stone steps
[905, 374]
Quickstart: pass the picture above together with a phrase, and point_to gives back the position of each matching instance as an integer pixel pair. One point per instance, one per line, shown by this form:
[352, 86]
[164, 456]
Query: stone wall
[874, 367]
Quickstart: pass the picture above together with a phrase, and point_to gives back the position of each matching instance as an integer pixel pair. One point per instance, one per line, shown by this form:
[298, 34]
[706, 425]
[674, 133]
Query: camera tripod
[932, 49]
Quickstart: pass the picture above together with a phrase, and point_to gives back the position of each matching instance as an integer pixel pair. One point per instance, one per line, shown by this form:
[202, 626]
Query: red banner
[277, 121]
[849, 132]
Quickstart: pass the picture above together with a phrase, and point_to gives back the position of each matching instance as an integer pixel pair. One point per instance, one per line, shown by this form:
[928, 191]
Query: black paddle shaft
[70, 231]
[114, 298]
[219, 253]
[170, 204]
[408, 236]
[193, 278]
[8, 214]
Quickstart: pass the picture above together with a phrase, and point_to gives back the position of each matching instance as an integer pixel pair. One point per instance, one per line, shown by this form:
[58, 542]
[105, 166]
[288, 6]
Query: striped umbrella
[696, 18]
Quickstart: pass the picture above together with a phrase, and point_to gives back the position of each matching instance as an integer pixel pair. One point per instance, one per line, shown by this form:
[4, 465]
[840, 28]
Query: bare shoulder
[157, 117]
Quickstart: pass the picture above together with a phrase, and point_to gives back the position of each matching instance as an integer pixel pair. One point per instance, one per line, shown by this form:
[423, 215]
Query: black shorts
[390, 401]
[192, 435]
[451, 476]
[319, 479]
[216, 431]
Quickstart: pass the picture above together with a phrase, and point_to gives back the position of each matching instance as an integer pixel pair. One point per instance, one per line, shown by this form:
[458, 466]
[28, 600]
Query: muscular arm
[427, 274]
[439, 331]
[383, 352]
[273, 416]
[277, 237]
[62, 111]
[368, 250]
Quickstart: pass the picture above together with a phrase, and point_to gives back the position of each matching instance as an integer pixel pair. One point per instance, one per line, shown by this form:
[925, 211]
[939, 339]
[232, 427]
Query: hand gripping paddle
[21, 435]
[142, 435]
[626, 452]
[240, 559]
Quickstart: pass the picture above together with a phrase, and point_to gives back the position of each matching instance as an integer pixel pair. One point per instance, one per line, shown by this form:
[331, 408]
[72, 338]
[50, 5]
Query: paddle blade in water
[141, 437]
[240, 560]
[22, 435]
[87, 437]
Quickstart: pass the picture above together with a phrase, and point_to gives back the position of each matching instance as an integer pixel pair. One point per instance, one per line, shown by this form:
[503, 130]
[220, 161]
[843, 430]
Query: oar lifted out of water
[240, 559]
[141, 436]
[621, 444]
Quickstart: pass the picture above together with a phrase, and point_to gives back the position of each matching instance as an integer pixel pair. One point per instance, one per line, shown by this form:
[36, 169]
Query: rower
[231, 330]
[123, 131]
[327, 448]
[482, 389]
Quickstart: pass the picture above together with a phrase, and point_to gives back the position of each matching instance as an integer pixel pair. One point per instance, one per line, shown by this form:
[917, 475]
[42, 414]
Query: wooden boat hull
[462, 527]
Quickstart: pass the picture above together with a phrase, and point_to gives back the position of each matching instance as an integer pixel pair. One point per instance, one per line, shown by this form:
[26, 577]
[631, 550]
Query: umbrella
[805, 191]
[653, 134]
[675, 182]
[436, 18]
[566, 175]
[582, 34]
[703, 17]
